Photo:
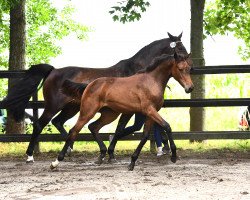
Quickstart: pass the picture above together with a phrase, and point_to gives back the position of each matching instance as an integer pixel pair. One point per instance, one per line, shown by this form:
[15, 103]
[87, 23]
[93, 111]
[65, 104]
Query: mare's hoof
[131, 167]
[112, 161]
[99, 161]
[173, 159]
[30, 159]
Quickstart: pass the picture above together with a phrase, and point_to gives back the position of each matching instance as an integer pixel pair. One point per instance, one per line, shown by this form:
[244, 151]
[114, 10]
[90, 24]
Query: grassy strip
[127, 147]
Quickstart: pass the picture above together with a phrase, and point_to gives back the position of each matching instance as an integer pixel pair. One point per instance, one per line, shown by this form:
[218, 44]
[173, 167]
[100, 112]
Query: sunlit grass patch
[126, 147]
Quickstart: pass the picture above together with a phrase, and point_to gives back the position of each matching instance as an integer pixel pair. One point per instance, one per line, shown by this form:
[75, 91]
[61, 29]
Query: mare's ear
[171, 37]
[179, 37]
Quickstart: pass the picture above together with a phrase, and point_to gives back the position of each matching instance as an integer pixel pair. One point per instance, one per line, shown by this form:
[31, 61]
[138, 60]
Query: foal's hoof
[131, 166]
[173, 159]
[69, 151]
[54, 165]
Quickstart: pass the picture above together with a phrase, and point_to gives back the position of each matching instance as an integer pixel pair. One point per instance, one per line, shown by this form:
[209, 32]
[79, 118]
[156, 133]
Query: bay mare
[140, 93]
[55, 102]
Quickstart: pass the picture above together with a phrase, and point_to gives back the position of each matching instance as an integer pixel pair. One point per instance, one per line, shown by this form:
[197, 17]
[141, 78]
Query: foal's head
[181, 71]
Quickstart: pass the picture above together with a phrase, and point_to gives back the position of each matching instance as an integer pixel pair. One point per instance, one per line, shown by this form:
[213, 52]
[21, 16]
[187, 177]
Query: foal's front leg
[154, 115]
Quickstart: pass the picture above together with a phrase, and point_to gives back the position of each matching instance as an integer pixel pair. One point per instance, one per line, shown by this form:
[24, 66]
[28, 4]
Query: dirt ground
[211, 175]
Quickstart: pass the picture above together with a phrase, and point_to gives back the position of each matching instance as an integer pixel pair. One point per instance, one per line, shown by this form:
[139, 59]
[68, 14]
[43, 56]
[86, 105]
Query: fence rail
[200, 135]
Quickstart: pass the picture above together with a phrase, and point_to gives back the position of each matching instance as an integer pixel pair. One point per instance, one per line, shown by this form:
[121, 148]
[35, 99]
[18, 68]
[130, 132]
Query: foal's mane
[156, 62]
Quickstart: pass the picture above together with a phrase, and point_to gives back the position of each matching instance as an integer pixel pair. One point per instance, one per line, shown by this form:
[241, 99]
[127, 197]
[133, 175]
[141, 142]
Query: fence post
[35, 117]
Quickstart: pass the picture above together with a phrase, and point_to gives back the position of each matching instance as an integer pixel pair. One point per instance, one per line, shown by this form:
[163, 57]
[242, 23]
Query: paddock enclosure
[201, 135]
[196, 175]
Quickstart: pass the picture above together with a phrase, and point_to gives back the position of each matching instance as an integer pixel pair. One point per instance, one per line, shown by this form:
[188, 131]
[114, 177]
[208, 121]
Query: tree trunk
[16, 55]
[197, 115]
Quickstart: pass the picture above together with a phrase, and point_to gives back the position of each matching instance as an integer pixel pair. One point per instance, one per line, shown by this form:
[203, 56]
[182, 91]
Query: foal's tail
[18, 96]
[73, 89]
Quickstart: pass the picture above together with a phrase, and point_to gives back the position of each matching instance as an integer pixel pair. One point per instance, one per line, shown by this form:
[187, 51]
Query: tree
[197, 114]
[224, 17]
[220, 17]
[45, 24]
[16, 54]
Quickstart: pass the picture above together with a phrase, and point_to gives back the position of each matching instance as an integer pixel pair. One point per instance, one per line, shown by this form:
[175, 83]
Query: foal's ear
[172, 38]
[179, 37]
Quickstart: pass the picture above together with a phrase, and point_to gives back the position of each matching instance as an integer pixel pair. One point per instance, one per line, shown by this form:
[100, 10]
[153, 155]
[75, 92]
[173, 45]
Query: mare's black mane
[156, 62]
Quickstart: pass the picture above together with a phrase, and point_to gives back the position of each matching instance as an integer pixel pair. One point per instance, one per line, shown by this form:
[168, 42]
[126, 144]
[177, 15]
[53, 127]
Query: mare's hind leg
[38, 127]
[66, 113]
[146, 131]
[119, 133]
[107, 116]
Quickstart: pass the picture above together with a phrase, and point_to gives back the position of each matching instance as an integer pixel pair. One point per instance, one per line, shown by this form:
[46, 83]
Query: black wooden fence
[200, 135]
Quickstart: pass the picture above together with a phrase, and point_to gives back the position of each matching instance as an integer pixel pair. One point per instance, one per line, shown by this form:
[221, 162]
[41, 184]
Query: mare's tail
[73, 89]
[18, 96]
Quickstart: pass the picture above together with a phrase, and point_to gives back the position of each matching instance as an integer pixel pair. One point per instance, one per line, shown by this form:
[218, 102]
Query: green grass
[127, 147]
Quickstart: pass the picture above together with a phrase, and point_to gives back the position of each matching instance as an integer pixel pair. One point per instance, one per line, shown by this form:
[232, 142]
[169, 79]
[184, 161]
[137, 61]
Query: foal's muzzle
[189, 89]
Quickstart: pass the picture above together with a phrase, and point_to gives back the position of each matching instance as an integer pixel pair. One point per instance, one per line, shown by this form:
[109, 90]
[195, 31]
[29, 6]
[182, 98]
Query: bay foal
[140, 93]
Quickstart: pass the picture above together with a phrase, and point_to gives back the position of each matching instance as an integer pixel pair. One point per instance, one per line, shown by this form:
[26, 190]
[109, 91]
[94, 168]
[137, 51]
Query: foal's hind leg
[107, 116]
[119, 133]
[146, 131]
[82, 120]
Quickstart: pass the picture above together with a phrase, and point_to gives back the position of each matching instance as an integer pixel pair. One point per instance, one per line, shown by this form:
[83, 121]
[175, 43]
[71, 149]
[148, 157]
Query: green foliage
[220, 17]
[223, 17]
[45, 26]
[129, 10]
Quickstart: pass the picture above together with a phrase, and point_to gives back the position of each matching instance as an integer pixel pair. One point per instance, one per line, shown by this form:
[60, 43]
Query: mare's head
[181, 71]
[176, 45]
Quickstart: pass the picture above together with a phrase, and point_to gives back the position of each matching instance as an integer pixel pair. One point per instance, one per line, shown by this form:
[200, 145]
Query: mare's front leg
[107, 116]
[119, 133]
[146, 132]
